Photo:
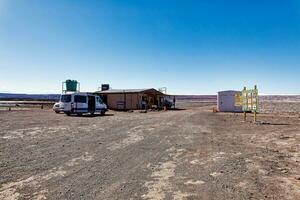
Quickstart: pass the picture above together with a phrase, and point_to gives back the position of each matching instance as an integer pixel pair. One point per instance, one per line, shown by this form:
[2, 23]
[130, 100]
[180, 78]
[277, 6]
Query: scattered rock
[191, 182]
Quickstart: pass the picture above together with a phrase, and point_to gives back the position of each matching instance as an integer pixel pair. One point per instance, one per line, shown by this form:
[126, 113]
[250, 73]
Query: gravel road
[184, 154]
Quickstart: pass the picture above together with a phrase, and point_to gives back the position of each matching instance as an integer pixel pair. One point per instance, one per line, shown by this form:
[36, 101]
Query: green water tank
[71, 85]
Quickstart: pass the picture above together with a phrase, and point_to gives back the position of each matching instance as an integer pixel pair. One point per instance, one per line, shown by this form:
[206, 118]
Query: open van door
[91, 104]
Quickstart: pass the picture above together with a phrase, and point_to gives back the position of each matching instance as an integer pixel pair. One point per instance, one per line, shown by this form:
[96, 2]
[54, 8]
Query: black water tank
[104, 87]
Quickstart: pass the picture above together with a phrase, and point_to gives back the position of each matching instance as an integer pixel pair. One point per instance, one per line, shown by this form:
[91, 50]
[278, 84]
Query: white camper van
[81, 102]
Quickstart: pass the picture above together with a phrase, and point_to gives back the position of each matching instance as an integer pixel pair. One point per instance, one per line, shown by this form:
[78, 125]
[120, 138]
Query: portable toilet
[226, 101]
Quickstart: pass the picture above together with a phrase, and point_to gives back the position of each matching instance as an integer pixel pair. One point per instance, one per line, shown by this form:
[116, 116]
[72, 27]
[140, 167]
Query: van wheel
[68, 114]
[102, 113]
[92, 113]
[79, 114]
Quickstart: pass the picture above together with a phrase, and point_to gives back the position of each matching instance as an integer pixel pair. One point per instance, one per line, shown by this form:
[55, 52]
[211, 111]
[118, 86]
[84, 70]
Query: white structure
[226, 101]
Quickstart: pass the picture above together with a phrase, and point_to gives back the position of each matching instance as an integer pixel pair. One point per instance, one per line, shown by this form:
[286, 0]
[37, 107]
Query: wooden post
[174, 101]
[124, 107]
[244, 103]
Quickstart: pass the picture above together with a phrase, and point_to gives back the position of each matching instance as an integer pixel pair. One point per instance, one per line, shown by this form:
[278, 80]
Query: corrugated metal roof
[229, 91]
[127, 91]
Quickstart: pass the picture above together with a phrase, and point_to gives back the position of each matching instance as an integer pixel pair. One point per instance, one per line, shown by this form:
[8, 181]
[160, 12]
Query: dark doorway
[104, 99]
[91, 104]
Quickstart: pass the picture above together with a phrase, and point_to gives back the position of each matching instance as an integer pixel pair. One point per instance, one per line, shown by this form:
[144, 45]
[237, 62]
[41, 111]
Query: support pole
[245, 116]
[174, 101]
[254, 116]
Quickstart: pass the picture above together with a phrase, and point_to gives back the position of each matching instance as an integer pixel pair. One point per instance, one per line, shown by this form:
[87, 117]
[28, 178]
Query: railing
[10, 105]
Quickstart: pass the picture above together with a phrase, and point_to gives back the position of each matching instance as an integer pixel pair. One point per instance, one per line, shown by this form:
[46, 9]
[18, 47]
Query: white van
[81, 102]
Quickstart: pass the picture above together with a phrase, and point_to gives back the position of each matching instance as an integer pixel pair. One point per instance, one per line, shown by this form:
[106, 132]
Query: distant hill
[213, 98]
[201, 98]
[42, 97]
[198, 98]
[280, 98]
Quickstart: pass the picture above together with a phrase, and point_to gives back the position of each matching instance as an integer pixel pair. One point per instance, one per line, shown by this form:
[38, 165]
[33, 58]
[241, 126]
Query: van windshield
[65, 98]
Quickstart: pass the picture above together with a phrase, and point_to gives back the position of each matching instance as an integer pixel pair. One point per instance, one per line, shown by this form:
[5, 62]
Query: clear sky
[190, 47]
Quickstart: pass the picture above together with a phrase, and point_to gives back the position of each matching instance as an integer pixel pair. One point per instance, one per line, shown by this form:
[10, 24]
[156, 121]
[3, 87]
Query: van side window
[99, 100]
[79, 99]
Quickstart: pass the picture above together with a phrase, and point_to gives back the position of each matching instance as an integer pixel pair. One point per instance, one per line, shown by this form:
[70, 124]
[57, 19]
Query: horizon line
[176, 94]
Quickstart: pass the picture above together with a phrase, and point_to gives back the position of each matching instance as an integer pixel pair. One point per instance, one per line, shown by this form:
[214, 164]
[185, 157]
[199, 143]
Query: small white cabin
[226, 101]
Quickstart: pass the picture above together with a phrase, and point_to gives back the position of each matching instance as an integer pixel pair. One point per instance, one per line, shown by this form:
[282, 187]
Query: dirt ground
[185, 154]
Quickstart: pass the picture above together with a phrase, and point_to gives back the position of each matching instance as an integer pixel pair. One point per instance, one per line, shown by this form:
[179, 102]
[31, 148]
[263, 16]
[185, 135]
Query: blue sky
[190, 47]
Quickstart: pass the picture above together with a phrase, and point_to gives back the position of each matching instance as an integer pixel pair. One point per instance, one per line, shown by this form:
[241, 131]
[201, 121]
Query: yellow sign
[250, 100]
[238, 99]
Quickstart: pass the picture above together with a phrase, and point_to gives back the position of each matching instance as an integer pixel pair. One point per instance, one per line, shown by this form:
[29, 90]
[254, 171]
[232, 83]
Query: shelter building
[132, 99]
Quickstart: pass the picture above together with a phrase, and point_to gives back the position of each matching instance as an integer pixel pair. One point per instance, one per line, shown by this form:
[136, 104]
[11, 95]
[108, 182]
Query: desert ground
[190, 153]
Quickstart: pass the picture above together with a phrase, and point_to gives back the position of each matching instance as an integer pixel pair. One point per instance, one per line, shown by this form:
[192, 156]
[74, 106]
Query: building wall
[114, 101]
[118, 101]
[132, 101]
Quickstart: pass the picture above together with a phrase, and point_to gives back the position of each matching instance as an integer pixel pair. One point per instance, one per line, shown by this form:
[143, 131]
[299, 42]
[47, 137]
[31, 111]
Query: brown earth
[185, 154]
